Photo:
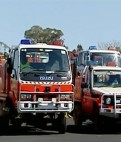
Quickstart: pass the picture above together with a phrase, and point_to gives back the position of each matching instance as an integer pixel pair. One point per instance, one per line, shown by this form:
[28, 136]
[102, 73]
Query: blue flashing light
[92, 48]
[25, 41]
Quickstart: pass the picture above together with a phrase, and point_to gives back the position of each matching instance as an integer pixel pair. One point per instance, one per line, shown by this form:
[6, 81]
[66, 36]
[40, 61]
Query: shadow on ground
[87, 128]
[90, 129]
[28, 130]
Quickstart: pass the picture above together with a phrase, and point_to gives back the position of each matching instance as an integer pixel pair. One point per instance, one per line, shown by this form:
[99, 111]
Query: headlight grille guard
[115, 101]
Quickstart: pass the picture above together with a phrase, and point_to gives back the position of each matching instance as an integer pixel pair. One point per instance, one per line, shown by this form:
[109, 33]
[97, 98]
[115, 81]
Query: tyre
[77, 117]
[61, 123]
[4, 118]
[16, 123]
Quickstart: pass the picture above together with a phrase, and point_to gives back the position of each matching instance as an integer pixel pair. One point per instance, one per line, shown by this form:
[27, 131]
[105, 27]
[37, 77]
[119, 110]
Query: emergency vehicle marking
[31, 82]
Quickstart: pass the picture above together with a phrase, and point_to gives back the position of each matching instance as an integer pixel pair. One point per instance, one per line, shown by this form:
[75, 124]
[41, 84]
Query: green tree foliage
[79, 47]
[40, 35]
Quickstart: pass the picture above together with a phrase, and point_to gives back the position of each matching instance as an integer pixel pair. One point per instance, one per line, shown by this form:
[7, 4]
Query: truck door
[14, 75]
[87, 100]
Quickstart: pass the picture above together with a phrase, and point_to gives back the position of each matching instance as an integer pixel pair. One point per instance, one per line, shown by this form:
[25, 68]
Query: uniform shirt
[26, 65]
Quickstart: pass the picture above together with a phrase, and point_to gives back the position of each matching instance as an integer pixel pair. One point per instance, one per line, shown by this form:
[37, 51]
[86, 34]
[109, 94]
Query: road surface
[86, 134]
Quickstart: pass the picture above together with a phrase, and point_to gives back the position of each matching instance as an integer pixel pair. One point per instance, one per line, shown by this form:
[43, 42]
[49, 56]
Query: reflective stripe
[32, 82]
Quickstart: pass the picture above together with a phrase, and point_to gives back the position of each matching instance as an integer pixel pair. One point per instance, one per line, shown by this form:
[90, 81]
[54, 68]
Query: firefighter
[24, 63]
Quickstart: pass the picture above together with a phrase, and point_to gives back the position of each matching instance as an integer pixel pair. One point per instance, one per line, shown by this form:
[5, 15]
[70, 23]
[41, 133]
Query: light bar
[25, 41]
[92, 48]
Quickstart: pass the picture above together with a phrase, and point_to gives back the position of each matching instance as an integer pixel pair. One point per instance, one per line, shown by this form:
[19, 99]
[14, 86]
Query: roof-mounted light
[26, 41]
[92, 48]
[111, 48]
[58, 43]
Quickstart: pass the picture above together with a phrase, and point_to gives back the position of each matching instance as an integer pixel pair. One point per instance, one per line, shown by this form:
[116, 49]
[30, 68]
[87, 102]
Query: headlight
[108, 101]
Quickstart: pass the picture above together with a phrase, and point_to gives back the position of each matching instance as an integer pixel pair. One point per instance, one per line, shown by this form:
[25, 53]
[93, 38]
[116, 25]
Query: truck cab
[40, 84]
[98, 57]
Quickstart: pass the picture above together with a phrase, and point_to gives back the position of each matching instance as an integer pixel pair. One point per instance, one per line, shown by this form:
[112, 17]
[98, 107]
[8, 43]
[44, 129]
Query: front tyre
[77, 117]
[61, 123]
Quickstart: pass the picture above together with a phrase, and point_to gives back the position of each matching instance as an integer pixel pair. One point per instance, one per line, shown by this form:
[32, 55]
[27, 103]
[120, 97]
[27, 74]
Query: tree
[114, 44]
[79, 47]
[40, 35]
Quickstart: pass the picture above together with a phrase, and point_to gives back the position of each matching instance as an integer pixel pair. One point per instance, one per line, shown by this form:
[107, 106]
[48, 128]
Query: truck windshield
[39, 59]
[107, 59]
[104, 78]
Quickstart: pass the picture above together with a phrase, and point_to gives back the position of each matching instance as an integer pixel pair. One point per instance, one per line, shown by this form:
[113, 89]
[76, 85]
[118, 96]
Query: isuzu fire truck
[35, 84]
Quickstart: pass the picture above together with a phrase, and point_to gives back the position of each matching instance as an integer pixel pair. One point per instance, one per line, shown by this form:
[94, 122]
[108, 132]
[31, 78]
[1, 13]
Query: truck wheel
[61, 123]
[99, 124]
[77, 116]
[16, 123]
[4, 118]
[42, 124]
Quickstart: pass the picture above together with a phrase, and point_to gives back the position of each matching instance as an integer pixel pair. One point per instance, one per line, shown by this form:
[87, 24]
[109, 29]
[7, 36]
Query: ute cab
[103, 84]
[107, 81]
[100, 95]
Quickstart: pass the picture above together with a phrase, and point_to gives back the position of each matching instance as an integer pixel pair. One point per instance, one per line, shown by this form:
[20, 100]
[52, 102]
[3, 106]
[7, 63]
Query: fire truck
[99, 99]
[36, 85]
[94, 56]
[97, 89]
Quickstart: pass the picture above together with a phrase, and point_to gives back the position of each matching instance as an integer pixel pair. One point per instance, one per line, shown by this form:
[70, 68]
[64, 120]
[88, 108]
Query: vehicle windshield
[104, 78]
[39, 59]
[105, 59]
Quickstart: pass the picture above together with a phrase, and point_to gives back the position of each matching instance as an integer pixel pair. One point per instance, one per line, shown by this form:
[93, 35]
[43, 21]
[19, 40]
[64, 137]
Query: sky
[85, 22]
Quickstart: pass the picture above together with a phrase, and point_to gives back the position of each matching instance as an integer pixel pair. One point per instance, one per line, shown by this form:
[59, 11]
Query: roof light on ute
[26, 41]
[92, 48]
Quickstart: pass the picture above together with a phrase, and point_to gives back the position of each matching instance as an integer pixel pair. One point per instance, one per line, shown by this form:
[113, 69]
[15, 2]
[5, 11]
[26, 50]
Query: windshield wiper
[116, 85]
[25, 73]
[60, 71]
[37, 70]
[55, 71]
[33, 71]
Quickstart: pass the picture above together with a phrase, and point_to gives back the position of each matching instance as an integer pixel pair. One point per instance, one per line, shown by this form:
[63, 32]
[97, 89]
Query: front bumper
[112, 110]
[114, 113]
[44, 106]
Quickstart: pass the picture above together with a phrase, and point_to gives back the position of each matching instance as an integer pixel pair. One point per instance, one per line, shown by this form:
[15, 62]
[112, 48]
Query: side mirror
[9, 66]
[14, 74]
[6, 55]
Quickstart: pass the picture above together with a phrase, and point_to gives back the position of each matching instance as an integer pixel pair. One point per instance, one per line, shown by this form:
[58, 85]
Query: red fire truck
[35, 84]
[97, 86]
